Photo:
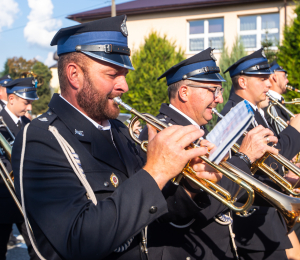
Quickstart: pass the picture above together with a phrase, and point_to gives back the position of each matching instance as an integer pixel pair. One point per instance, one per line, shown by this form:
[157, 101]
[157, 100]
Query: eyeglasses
[286, 75]
[217, 91]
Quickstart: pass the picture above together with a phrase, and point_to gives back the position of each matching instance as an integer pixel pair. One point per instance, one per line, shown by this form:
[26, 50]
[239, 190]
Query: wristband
[245, 158]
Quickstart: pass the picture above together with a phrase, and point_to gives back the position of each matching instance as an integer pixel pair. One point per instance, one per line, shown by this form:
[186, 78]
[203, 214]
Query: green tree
[289, 57]
[15, 67]
[151, 60]
[43, 91]
[268, 45]
[226, 60]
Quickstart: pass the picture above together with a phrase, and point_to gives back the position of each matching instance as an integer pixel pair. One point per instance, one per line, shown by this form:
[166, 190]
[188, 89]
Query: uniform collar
[13, 116]
[4, 101]
[184, 115]
[275, 95]
[106, 125]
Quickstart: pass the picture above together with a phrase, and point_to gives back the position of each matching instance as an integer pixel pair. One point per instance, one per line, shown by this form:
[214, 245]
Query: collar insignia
[78, 132]
[43, 119]
[114, 180]
[124, 27]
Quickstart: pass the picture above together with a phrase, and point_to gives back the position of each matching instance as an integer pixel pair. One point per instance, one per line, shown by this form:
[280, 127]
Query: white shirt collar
[181, 113]
[4, 101]
[106, 125]
[275, 95]
[13, 116]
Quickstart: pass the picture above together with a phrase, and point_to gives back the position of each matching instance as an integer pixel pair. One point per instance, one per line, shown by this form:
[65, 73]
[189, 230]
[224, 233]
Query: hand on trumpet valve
[166, 151]
[292, 178]
[255, 143]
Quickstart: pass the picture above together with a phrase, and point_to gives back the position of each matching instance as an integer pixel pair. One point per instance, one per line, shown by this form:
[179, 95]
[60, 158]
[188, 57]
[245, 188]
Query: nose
[121, 84]
[268, 83]
[219, 99]
[29, 107]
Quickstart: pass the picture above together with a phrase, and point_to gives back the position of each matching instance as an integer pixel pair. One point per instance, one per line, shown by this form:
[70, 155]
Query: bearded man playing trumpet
[262, 235]
[198, 226]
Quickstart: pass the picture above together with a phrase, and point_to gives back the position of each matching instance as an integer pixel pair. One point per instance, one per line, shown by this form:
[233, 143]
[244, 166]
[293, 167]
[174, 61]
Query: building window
[205, 33]
[256, 28]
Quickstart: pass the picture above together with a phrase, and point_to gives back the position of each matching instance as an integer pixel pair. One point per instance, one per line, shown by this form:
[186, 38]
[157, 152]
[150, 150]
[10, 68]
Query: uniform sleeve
[57, 203]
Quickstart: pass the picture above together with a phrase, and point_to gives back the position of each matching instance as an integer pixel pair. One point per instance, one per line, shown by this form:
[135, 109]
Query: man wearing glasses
[197, 226]
[278, 82]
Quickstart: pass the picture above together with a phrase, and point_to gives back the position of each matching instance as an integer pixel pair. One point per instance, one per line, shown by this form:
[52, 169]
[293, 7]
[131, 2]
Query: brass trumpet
[292, 88]
[213, 189]
[278, 119]
[271, 173]
[288, 206]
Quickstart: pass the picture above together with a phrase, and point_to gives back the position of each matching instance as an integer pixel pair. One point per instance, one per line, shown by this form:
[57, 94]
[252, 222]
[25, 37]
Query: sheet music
[229, 130]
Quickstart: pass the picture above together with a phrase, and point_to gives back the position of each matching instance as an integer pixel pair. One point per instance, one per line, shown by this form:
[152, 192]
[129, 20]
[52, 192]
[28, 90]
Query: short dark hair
[79, 58]
[173, 88]
[235, 81]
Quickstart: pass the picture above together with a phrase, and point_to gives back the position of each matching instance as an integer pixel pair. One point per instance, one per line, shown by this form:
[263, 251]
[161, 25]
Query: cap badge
[114, 180]
[124, 27]
[5, 82]
[8, 76]
[78, 132]
[212, 55]
[263, 54]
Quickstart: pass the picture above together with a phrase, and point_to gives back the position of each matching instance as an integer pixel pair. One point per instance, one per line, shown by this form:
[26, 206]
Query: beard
[95, 104]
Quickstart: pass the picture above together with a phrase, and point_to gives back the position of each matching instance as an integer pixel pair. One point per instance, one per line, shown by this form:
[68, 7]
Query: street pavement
[19, 251]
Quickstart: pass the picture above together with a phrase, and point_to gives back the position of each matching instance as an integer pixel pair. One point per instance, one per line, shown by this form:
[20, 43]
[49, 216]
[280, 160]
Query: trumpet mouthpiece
[119, 101]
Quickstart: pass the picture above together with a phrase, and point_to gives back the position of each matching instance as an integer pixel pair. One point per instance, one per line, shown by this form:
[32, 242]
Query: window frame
[258, 32]
[204, 35]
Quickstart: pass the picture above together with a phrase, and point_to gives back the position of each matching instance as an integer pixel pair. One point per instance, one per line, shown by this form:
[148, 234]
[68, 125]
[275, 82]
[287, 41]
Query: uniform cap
[4, 80]
[253, 64]
[200, 67]
[104, 39]
[24, 88]
[275, 67]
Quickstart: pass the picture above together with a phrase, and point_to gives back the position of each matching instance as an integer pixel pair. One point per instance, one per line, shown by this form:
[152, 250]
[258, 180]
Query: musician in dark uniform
[262, 235]
[85, 191]
[3, 95]
[190, 230]
[278, 82]
[21, 93]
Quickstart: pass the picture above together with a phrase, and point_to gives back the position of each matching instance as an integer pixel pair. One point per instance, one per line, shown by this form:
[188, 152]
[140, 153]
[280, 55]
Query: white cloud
[39, 58]
[8, 11]
[41, 28]
[50, 61]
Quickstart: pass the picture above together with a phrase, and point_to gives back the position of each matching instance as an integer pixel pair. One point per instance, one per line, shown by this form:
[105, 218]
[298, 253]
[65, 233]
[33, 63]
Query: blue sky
[27, 26]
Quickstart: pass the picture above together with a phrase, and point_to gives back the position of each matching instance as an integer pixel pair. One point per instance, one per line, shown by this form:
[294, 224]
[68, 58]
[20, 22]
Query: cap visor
[259, 72]
[31, 95]
[113, 58]
[216, 77]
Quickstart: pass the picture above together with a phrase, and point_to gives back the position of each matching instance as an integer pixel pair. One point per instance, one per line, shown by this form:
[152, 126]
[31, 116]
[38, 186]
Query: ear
[75, 75]
[242, 82]
[183, 93]
[274, 77]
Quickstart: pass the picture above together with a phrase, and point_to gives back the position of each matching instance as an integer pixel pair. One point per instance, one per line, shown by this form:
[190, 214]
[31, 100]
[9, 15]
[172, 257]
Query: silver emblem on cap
[78, 132]
[212, 55]
[124, 27]
[5, 82]
[263, 54]
[8, 76]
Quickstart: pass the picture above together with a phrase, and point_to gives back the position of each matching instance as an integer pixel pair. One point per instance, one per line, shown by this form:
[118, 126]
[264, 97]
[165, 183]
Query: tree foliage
[268, 45]
[15, 67]
[151, 60]
[226, 60]
[289, 57]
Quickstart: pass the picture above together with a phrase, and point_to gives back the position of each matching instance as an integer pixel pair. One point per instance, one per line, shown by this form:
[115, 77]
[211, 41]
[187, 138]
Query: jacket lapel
[174, 115]
[123, 141]
[86, 132]
[10, 123]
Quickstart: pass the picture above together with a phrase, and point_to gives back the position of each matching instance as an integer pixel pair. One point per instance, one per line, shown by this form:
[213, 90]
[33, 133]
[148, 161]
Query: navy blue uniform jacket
[66, 224]
[264, 230]
[9, 212]
[205, 238]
